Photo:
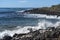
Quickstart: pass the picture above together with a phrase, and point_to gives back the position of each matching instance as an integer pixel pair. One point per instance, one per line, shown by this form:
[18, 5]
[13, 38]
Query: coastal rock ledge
[51, 33]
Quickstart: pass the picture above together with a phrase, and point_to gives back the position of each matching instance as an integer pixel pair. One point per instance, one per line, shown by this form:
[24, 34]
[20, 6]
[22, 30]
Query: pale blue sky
[28, 3]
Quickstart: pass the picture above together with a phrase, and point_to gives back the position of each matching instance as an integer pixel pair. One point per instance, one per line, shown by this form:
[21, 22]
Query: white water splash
[41, 25]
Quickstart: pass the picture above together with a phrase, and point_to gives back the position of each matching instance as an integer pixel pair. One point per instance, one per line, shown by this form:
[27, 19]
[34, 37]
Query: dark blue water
[11, 23]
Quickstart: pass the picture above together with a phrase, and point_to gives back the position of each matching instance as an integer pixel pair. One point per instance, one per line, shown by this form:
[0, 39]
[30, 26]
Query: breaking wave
[41, 25]
[47, 21]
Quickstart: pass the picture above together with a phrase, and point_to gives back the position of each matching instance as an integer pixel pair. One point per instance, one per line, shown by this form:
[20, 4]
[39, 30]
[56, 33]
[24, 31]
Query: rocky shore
[53, 10]
[50, 33]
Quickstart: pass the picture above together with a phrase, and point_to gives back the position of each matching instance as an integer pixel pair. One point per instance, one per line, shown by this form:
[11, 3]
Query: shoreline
[41, 34]
[53, 10]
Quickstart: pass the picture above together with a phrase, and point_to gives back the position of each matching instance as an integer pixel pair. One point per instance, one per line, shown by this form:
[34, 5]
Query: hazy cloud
[23, 1]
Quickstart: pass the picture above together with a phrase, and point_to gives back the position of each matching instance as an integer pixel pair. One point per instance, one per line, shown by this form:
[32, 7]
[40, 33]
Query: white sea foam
[41, 25]
[41, 16]
[20, 11]
[22, 30]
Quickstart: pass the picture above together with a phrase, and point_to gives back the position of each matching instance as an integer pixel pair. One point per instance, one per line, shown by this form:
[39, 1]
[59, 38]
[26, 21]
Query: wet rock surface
[50, 33]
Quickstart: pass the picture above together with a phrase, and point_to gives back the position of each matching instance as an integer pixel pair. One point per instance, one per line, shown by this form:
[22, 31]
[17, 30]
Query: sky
[28, 3]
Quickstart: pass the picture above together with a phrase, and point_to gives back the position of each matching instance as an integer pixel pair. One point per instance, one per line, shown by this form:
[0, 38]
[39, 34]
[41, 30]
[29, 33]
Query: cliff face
[53, 10]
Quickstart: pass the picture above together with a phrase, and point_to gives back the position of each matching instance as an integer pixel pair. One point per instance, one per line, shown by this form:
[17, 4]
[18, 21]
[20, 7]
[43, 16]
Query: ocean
[11, 24]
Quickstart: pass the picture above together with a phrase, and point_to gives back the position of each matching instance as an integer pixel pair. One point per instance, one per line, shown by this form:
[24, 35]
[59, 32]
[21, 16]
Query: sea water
[12, 25]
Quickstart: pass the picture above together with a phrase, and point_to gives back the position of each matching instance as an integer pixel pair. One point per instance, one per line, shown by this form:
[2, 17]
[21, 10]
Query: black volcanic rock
[48, 34]
[7, 37]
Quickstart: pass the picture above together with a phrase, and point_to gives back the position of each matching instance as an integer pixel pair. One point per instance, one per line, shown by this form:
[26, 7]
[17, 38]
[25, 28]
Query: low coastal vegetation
[53, 10]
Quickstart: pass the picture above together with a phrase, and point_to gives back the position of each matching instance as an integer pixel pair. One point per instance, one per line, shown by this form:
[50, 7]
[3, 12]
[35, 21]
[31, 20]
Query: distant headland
[53, 10]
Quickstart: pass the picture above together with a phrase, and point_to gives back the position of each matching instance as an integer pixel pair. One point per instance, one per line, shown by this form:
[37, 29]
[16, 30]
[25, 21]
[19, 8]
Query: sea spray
[41, 25]
[20, 29]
